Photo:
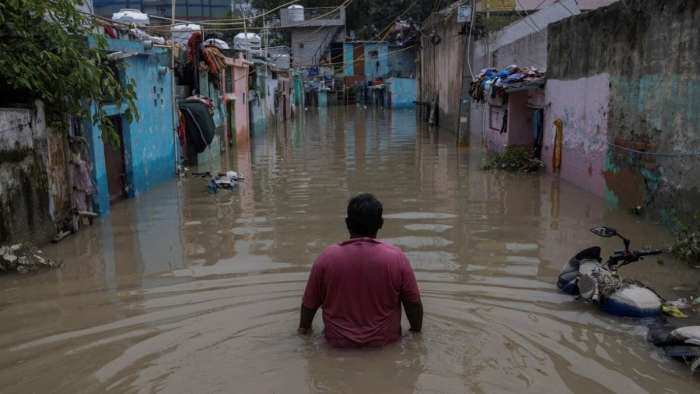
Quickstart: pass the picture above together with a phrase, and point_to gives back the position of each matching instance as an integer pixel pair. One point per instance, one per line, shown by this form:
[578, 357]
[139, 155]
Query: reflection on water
[182, 291]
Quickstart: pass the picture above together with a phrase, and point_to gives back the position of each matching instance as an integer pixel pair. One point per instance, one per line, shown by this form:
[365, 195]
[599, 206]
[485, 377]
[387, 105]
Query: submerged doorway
[115, 163]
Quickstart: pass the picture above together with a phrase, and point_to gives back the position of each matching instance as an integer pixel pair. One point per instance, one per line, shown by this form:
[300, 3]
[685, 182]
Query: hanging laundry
[199, 125]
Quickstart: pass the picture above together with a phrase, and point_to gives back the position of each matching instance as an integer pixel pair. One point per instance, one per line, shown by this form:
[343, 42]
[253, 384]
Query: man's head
[364, 216]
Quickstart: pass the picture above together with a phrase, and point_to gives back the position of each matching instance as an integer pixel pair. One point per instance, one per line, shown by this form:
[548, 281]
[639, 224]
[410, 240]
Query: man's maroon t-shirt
[360, 284]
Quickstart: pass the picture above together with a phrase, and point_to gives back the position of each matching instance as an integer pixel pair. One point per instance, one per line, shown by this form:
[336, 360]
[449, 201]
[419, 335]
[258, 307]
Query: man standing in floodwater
[361, 284]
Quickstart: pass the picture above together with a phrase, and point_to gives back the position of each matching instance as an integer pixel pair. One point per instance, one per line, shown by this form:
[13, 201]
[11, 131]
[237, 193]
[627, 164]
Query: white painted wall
[312, 39]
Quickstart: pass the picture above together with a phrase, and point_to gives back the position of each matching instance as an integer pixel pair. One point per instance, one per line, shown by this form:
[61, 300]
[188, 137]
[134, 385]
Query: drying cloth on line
[199, 125]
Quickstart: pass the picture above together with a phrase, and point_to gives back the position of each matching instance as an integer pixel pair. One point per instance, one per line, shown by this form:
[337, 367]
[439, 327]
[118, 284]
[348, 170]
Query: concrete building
[366, 59]
[511, 120]
[619, 109]
[146, 151]
[312, 31]
[261, 95]
[25, 199]
[235, 94]
[380, 61]
[401, 93]
[442, 56]
[627, 101]
[190, 9]
[441, 68]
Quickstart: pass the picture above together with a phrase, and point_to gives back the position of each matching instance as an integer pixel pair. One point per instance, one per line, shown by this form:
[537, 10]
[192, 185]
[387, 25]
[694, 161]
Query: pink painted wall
[520, 129]
[495, 141]
[582, 106]
[519, 119]
[240, 74]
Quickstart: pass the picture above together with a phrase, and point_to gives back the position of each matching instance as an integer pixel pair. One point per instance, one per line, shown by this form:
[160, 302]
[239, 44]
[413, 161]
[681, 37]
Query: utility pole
[172, 85]
[264, 33]
[245, 28]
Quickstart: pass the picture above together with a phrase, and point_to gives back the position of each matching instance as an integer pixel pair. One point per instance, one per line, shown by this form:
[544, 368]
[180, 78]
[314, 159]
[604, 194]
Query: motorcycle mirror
[603, 231]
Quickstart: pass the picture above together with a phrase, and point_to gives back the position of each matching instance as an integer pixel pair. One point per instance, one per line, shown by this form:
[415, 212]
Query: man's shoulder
[344, 248]
[389, 247]
[329, 252]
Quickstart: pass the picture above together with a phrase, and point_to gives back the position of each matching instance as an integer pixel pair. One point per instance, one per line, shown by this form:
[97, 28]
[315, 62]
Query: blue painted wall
[402, 62]
[402, 92]
[149, 141]
[376, 66]
[348, 66]
[322, 98]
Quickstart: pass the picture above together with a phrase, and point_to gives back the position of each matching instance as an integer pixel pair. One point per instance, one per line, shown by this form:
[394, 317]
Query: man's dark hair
[364, 215]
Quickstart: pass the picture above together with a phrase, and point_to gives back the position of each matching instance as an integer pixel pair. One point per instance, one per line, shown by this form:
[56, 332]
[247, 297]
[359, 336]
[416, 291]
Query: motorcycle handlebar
[620, 259]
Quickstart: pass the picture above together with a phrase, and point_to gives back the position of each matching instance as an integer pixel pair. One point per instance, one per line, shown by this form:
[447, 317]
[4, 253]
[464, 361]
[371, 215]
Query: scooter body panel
[632, 301]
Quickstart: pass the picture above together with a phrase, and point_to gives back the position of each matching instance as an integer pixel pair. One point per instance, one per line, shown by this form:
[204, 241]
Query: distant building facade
[189, 9]
[313, 31]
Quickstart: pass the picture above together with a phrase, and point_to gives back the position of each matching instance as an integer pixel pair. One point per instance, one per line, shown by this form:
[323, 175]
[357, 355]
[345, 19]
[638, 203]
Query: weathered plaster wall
[348, 60]
[403, 92]
[441, 66]
[376, 60]
[583, 106]
[24, 185]
[270, 98]
[530, 51]
[149, 141]
[519, 127]
[309, 44]
[653, 63]
[529, 5]
[402, 62]
[258, 99]
[240, 91]
[152, 137]
[58, 167]
[523, 43]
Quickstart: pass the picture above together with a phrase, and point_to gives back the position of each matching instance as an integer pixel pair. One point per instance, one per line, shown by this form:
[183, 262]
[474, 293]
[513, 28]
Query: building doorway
[115, 163]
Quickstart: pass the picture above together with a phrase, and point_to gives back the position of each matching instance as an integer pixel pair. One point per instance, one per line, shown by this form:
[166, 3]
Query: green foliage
[687, 244]
[45, 55]
[514, 159]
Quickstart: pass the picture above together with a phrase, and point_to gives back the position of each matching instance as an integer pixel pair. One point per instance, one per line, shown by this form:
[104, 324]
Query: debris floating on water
[24, 259]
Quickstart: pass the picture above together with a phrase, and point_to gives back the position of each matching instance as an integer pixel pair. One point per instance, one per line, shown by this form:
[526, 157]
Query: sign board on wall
[500, 5]
[464, 14]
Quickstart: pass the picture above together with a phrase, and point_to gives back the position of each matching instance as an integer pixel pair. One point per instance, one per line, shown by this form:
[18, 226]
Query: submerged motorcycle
[586, 275]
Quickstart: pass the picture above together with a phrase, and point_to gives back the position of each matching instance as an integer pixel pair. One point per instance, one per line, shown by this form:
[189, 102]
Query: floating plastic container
[247, 42]
[295, 13]
[183, 32]
[131, 17]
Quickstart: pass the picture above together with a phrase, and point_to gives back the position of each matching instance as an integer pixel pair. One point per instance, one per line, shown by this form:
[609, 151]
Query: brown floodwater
[179, 290]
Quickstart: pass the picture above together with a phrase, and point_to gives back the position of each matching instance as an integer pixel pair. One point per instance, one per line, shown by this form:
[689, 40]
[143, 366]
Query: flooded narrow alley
[180, 290]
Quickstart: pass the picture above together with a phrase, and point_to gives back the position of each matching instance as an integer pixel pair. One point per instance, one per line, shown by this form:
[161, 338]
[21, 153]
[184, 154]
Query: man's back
[360, 285]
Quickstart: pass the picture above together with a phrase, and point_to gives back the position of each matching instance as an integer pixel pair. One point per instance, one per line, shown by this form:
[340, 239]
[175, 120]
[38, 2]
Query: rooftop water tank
[131, 17]
[246, 42]
[295, 13]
